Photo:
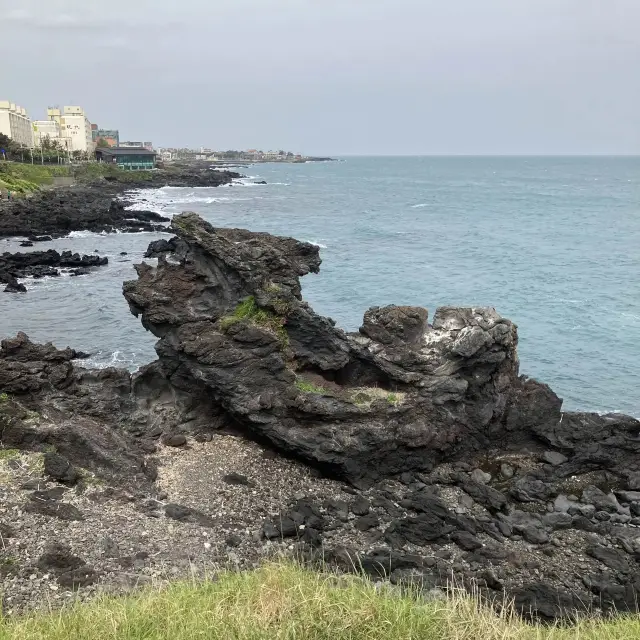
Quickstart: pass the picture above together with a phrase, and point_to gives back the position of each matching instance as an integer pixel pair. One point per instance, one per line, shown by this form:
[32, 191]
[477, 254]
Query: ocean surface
[551, 243]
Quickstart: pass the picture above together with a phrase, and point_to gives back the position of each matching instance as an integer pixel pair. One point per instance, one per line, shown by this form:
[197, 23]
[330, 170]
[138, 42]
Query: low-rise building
[51, 131]
[111, 137]
[15, 123]
[128, 158]
[138, 144]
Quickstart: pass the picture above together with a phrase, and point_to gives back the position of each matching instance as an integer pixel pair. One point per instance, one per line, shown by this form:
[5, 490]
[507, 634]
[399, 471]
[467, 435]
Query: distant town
[67, 135]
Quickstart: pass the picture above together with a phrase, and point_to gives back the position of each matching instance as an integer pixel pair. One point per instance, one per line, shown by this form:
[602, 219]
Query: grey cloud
[338, 76]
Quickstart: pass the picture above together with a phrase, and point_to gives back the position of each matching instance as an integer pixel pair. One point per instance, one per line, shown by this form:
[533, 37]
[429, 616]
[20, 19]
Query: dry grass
[367, 395]
[284, 601]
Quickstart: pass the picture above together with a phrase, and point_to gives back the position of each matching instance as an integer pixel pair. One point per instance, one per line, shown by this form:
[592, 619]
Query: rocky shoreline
[98, 206]
[412, 450]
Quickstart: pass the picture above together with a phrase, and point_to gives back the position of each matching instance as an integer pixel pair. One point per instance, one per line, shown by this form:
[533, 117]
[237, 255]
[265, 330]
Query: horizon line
[484, 155]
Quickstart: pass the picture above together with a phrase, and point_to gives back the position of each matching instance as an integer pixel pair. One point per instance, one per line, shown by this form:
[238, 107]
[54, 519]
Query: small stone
[367, 522]
[620, 518]
[466, 541]
[233, 540]
[176, 440]
[237, 479]
[554, 458]
[478, 475]
[557, 520]
[58, 557]
[177, 511]
[360, 507]
[81, 577]
[60, 469]
[284, 527]
[506, 471]
[601, 500]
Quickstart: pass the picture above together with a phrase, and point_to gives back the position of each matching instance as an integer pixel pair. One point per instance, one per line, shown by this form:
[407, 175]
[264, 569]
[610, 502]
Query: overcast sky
[336, 76]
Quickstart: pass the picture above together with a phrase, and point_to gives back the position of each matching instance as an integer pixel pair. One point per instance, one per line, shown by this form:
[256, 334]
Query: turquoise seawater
[551, 243]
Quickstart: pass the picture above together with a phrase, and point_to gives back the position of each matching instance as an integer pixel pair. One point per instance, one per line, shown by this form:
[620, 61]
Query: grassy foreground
[288, 602]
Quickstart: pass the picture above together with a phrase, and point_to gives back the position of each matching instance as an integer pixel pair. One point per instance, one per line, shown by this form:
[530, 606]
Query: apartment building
[51, 130]
[15, 123]
[75, 125]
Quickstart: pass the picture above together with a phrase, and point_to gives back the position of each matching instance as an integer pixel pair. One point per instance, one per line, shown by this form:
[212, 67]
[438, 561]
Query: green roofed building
[129, 158]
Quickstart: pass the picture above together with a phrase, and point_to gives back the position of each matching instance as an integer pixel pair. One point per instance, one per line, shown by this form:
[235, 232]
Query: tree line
[49, 152]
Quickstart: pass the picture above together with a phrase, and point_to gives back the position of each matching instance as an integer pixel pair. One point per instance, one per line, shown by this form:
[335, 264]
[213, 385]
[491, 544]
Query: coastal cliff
[412, 449]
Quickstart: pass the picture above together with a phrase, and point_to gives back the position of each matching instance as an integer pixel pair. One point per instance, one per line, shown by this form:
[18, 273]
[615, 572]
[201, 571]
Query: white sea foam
[104, 360]
[316, 244]
[420, 205]
[169, 201]
[87, 234]
[145, 206]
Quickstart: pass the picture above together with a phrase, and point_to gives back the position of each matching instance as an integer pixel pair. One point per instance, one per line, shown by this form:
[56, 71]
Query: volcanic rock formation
[401, 395]
[449, 462]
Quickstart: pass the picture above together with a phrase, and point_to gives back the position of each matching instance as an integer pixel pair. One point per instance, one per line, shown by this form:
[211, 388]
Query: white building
[52, 130]
[15, 123]
[74, 125]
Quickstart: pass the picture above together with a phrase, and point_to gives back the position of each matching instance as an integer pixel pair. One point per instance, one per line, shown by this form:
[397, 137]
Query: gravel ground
[151, 546]
[223, 492]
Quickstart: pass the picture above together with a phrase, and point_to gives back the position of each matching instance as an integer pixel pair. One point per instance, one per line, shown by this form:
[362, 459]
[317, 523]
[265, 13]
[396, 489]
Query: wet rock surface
[96, 207]
[56, 213]
[411, 449]
[38, 264]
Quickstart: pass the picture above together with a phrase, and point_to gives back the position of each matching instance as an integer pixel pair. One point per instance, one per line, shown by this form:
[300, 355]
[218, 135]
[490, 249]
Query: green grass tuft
[8, 454]
[287, 602]
[4, 397]
[307, 387]
[249, 310]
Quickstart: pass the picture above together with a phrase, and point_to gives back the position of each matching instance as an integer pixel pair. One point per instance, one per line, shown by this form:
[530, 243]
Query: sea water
[551, 243]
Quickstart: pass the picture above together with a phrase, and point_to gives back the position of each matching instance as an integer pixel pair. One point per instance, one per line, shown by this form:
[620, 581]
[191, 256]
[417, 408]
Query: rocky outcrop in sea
[40, 264]
[413, 449]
